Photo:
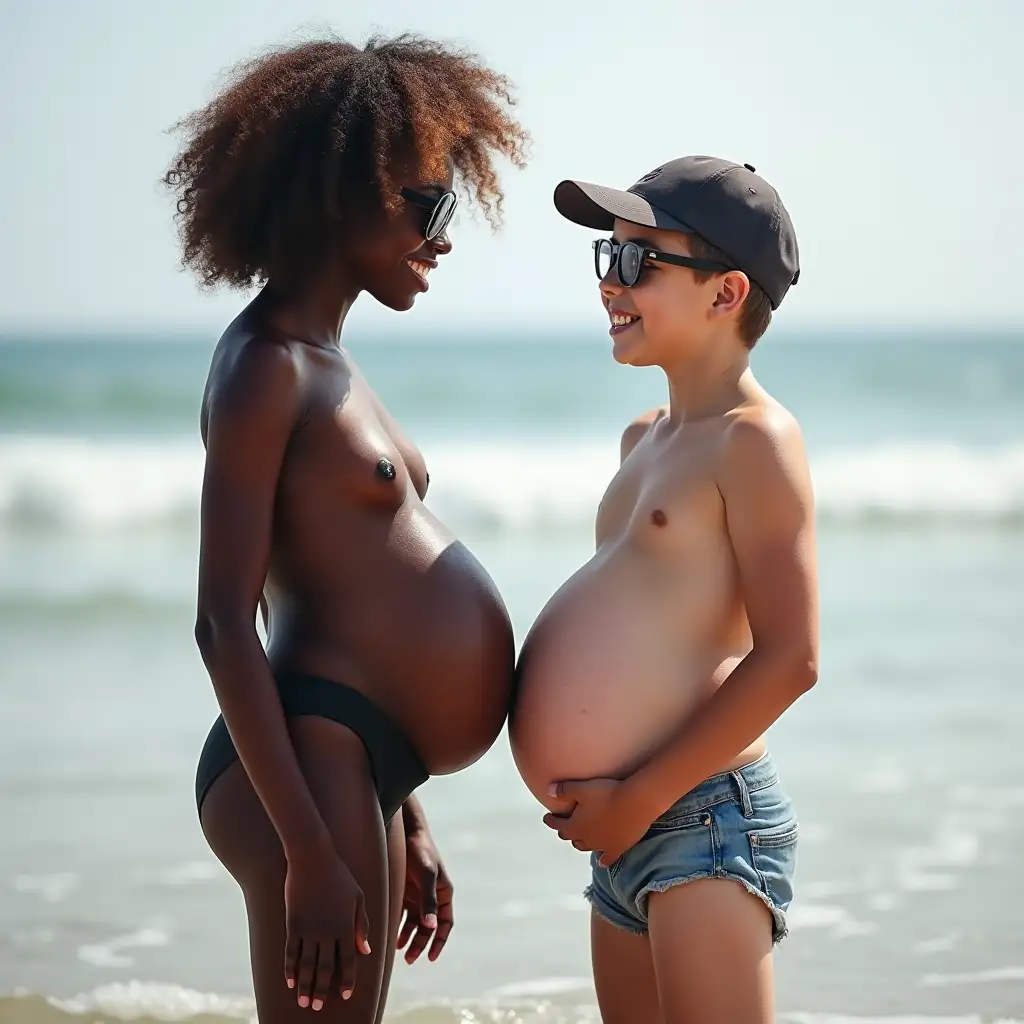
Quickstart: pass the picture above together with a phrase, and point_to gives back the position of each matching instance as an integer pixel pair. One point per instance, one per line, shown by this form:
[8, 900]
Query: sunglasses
[630, 258]
[441, 209]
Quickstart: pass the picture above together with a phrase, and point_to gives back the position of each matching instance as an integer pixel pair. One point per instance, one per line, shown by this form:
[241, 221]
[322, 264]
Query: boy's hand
[601, 819]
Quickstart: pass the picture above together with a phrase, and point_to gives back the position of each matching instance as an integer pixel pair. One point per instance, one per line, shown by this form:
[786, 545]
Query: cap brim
[596, 206]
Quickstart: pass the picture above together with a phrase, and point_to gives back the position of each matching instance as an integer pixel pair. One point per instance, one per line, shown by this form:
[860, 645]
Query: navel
[658, 517]
[386, 469]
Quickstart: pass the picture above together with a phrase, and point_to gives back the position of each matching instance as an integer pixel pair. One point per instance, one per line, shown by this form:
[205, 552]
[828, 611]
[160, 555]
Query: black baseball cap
[727, 204]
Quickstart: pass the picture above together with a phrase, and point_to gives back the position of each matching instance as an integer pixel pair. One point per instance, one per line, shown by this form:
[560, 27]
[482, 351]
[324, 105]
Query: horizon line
[487, 333]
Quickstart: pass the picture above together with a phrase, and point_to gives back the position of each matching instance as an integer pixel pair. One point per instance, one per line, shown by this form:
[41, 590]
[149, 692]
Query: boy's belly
[608, 674]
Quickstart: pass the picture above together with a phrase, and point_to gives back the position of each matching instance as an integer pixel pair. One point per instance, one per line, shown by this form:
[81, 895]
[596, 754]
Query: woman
[323, 171]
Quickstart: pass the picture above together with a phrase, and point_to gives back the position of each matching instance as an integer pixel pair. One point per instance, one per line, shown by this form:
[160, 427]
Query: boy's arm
[769, 508]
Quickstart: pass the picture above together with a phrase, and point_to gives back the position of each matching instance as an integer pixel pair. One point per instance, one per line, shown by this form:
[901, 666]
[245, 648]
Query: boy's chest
[664, 496]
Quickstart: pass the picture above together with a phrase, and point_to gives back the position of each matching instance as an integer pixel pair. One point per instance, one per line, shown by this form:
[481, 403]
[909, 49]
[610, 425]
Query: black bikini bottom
[397, 768]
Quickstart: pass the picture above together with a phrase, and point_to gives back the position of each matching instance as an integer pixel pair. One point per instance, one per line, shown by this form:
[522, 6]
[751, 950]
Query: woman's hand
[427, 904]
[326, 925]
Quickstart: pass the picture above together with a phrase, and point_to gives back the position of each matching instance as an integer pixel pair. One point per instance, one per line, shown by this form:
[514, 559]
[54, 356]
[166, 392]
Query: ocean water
[903, 761]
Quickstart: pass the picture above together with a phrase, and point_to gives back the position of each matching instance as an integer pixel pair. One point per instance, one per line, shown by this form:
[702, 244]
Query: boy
[648, 681]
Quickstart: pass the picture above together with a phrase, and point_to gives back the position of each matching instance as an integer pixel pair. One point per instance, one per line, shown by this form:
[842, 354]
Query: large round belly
[454, 675]
[412, 620]
[597, 682]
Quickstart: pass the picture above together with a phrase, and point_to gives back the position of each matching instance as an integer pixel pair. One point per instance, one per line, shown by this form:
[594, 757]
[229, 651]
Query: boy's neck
[709, 385]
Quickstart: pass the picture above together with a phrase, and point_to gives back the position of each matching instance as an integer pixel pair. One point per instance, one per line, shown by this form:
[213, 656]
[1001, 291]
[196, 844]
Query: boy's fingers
[562, 789]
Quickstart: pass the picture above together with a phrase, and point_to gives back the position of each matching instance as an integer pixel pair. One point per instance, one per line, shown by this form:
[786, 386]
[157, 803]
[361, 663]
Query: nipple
[386, 469]
[658, 517]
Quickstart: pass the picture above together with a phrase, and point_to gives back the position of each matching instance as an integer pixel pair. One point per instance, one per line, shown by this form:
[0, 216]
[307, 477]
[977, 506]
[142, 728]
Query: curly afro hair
[304, 139]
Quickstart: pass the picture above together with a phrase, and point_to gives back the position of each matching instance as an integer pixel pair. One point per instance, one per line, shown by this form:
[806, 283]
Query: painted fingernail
[291, 983]
[346, 994]
[430, 921]
[553, 789]
[303, 1001]
[318, 1004]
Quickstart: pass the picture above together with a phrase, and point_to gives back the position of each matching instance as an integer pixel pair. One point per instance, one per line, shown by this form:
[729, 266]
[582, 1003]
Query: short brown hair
[756, 314]
[305, 137]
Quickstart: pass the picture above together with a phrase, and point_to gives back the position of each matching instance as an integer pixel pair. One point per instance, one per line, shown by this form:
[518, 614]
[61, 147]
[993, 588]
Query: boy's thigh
[627, 992]
[711, 948]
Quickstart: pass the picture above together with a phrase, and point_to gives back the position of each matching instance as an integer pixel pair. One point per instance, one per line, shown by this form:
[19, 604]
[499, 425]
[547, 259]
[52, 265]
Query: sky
[891, 128]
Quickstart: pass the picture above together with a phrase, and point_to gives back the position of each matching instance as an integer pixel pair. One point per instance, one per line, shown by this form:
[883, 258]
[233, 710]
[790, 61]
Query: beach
[900, 761]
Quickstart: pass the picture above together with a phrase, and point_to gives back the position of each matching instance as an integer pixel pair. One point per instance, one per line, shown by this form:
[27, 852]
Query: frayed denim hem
[780, 927]
[590, 896]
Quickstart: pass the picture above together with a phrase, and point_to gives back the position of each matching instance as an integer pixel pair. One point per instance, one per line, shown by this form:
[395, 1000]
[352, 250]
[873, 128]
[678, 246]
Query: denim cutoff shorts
[739, 825]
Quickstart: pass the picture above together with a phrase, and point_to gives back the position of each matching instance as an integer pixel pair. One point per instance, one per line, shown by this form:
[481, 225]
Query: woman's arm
[427, 904]
[253, 405]
[252, 409]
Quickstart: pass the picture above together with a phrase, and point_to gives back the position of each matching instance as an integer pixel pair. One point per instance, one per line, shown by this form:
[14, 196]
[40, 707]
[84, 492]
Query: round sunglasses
[630, 258]
[441, 207]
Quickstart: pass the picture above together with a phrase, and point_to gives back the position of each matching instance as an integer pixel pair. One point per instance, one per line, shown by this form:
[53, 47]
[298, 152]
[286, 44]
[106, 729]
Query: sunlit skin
[315, 173]
[663, 660]
[294, 431]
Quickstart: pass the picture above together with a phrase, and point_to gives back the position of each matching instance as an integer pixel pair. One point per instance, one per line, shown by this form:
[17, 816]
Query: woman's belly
[461, 640]
[419, 627]
[606, 677]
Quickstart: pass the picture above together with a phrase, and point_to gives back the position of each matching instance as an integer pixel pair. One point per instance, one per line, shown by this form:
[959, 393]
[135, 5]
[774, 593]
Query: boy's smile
[621, 319]
[658, 316]
[647, 683]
